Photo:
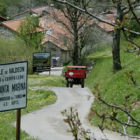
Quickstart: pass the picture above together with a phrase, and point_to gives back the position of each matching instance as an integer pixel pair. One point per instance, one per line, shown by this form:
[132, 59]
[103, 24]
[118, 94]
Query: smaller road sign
[13, 85]
[41, 61]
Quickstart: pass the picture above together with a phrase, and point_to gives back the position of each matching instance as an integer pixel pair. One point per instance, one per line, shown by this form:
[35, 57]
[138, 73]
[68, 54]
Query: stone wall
[22, 15]
[6, 33]
[57, 52]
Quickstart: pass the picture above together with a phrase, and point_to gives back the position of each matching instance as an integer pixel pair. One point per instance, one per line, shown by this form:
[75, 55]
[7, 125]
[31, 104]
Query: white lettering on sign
[13, 86]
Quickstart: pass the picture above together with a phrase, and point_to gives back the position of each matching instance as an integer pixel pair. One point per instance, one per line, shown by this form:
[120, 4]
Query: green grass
[47, 80]
[35, 100]
[114, 87]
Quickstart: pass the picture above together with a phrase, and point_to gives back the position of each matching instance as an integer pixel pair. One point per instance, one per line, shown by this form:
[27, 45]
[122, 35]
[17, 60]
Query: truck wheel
[67, 84]
[82, 84]
[71, 85]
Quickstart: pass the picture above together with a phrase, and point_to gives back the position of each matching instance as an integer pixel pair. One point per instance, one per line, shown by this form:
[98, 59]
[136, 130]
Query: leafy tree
[7, 7]
[3, 8]
[11, 50]
[28, 31]
[132, 24]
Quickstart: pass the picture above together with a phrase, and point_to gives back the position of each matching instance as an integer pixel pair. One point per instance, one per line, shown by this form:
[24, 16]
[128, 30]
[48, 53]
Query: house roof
[37, 10]
[55, 41]
[56, 27]
[14, 25]
[57, 31]
[108, 15]
[24, 12]
[105, 26]
[58, 15]
[56, 35]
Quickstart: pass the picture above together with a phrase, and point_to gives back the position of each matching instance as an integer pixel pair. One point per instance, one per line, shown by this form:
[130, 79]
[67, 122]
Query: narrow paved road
[54, 71]
[47, 123]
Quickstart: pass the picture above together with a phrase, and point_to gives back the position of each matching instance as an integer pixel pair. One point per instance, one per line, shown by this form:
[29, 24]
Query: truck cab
[75, 75]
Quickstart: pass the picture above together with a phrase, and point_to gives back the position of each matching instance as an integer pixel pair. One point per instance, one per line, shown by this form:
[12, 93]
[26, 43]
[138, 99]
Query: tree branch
[131, 9]
[123, 110]
[94, 16]
[130, 136]
[128, 39]
[132, 79]
[123, 123]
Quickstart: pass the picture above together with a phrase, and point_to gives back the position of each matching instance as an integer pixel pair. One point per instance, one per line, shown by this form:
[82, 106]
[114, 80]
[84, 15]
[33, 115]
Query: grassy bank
[35, 100]
[114, 87]
[47, 80]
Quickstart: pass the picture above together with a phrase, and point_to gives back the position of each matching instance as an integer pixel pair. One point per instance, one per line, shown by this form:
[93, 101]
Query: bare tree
[126, 109]
[122, 10]
[73, 120]
[77, 24]
[98, 6]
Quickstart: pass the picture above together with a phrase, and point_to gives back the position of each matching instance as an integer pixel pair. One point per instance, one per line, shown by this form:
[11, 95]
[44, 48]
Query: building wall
[64, 56]
[6, 33]
[22, 15]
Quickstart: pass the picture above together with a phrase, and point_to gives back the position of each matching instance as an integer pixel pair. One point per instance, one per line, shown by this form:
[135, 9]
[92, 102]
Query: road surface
[47, 123]
[54, 71]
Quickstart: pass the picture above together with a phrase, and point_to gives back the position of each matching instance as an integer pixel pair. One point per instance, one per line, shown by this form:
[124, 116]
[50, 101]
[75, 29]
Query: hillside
[114, 87]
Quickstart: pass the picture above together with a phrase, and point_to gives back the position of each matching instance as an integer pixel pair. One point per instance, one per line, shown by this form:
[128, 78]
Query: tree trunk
[116, 51]
[75, 49]
[116, 40]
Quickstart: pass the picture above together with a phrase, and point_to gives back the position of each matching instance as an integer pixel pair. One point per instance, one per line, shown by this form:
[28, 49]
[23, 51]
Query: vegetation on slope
[47, 80]
[114, 87]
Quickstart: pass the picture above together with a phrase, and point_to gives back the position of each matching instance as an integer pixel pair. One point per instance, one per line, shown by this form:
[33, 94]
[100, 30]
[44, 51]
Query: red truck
[75, 75]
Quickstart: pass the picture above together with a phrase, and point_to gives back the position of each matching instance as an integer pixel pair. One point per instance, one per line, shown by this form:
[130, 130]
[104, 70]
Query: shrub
[15, 50]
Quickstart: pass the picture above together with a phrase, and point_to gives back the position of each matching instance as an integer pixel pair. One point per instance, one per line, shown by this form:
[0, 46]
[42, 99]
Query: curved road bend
[47, 123]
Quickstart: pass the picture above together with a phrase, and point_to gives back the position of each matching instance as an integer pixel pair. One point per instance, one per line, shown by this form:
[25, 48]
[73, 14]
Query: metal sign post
[18, 124]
